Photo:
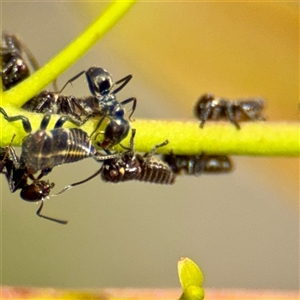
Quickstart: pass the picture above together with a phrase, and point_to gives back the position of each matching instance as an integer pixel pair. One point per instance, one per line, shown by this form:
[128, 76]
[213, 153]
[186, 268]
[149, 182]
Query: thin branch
[185, 137]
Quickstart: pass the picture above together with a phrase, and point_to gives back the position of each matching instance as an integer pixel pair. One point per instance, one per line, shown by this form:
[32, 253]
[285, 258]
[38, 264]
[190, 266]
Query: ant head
[202, 102]
[99, 81]
[112, 171]
[115, 131]
[36, 191]
[127, 168]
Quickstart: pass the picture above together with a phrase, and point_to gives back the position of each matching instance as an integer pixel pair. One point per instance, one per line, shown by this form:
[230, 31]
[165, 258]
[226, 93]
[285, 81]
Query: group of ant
[44, 149]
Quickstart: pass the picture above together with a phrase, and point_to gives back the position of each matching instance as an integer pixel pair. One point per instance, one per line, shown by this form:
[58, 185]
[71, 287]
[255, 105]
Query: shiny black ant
[45, 149]
[198, 164]
[209, 107]
[14, 66]
[131, 166]
[103, 103]
[17, 179]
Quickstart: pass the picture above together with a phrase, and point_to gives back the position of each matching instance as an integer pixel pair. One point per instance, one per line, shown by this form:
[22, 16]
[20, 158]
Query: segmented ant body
[131, 166]
[17, 179]
[45, 149]
[14, 66]
[106, 105]
[198, 164]
[55, 103]
[103, 103]
[209, 107]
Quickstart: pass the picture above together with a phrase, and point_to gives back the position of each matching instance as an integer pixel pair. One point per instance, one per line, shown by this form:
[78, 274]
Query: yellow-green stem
[185, 137]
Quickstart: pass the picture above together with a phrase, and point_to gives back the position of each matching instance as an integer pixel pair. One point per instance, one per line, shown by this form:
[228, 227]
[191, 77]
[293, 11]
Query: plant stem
[185, 137]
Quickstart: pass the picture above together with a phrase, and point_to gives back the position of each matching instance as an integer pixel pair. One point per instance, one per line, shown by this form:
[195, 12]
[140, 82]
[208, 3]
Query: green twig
[185, 137]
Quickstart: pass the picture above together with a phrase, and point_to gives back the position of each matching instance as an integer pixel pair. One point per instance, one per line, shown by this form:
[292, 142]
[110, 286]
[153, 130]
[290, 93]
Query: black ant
[14, 66]
[197, 164]
[103, 103]
[209, 107]
[17, 178]
[131, 166]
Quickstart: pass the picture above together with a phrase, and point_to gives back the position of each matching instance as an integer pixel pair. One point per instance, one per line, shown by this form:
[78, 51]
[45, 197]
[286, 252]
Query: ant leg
[74, 106]
[204, 116]
[229, 111]
[38, 212]
[25, 120]
[62, 120]
[133, 132]
[98, 125]
[8, 149]
[71, 80]
[125, 80]
[133, 106]
[131, 142]
[100, 157]
[43, 173]
[66, 188]
[45, 121]
[152, 152]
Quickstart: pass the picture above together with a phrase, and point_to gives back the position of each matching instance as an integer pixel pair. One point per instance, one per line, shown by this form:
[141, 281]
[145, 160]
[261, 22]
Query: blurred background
[242, 228]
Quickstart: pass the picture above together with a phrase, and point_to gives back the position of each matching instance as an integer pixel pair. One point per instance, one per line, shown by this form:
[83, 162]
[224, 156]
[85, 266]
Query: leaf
[189, 275]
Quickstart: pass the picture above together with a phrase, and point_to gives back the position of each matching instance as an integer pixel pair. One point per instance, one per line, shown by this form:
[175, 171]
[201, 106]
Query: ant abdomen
[198, 164]
[156, 172]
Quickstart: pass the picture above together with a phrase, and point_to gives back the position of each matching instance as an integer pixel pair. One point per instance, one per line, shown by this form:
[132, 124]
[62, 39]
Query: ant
[14, 66]
[17, 178]
[209, 107]
[197, 164]
[103, 103]
[131, 166]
